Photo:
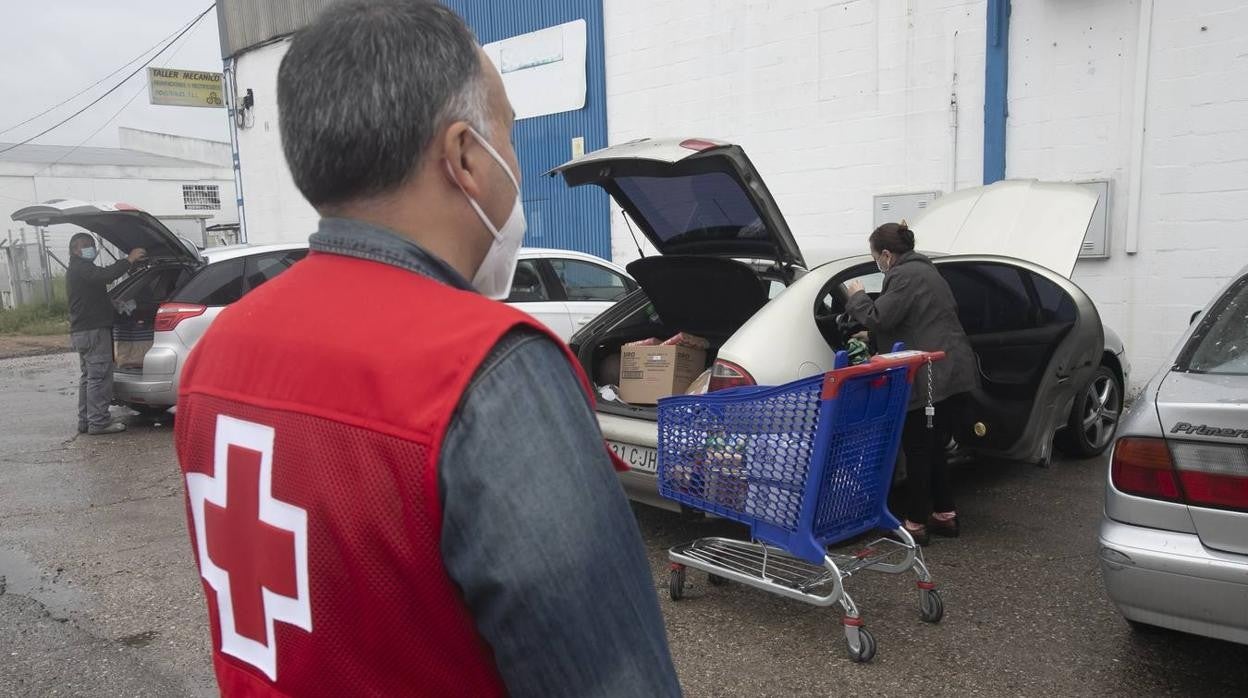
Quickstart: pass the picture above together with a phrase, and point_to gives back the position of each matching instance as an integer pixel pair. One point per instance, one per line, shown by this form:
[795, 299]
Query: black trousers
[927, 472]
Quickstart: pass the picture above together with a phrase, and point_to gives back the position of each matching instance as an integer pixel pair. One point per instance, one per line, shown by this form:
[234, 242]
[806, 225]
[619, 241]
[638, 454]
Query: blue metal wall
[574, 219]
[996, 89]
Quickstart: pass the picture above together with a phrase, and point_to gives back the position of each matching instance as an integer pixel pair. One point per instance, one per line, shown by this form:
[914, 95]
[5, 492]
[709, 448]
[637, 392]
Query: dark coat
[917, 307]
[87, 286]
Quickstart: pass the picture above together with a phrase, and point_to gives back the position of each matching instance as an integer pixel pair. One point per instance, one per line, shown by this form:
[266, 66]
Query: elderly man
[396, 485]
[91, 330]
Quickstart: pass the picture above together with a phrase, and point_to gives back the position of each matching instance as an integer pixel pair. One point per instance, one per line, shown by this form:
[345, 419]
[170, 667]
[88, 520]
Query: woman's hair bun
[894, 237]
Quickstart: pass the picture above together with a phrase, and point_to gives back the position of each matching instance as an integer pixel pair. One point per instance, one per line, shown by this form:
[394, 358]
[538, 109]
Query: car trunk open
[709, 297]
[694, 197]
[703, 206]
[170, 262]
[137, 299]
[121, 225]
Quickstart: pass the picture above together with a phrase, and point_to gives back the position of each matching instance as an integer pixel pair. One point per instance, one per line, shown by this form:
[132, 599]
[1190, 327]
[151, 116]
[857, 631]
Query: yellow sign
[185, 88]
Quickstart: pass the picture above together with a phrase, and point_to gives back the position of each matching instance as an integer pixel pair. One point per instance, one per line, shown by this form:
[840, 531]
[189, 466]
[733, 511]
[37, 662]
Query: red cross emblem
[253, 549]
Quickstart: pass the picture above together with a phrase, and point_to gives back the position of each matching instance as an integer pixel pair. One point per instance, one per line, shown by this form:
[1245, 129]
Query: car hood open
[1040, 222]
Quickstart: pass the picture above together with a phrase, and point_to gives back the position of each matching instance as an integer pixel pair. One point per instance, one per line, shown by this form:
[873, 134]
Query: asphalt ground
[99, 595]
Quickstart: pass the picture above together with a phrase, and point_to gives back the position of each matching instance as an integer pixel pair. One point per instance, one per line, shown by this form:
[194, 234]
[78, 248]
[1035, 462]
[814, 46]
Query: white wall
[160, 197]
[158, 193]
[838, 101]
[834, 101]
[275, 210]
[198, 149]
[1073, 74]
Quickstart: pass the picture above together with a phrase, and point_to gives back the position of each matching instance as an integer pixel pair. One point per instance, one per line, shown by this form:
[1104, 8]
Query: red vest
[310, 420]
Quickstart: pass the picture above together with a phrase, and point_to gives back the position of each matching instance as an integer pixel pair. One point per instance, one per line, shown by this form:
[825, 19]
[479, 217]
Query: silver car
[167, 302]
[1174, 539]
[149, 384]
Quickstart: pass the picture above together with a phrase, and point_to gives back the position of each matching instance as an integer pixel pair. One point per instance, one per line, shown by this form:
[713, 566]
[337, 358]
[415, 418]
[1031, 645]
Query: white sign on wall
[543, 71]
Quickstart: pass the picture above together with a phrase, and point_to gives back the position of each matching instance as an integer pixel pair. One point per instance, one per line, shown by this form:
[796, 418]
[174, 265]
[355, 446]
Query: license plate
[638, 458]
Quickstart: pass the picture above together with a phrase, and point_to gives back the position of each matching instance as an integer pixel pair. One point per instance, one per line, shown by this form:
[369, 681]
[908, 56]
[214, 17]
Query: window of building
[201, 197]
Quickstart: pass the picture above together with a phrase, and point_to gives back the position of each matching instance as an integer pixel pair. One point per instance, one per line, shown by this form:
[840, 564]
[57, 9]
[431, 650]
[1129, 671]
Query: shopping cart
[805, 465]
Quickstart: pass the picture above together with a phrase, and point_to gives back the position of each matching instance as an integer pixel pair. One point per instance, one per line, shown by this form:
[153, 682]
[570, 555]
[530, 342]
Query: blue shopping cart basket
[805, 464]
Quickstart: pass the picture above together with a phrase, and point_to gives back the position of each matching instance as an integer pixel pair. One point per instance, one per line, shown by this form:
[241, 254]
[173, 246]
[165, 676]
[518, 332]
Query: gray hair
[470, 104]
[365, 88]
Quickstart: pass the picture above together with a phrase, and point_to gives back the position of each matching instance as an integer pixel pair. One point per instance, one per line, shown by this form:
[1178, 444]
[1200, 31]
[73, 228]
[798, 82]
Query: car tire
[1094, 417]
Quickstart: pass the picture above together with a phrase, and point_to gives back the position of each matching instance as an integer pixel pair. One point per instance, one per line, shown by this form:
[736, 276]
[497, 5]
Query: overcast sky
[53, 49]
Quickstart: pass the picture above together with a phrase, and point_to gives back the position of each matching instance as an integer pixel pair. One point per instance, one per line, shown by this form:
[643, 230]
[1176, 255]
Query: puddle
[20, 576]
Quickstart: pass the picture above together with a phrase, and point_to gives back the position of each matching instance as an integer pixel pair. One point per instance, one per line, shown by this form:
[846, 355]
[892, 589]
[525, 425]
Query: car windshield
[1220, 344]
[705, 206]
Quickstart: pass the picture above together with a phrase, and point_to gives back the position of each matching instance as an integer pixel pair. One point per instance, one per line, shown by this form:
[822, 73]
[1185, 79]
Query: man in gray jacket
[91, 330]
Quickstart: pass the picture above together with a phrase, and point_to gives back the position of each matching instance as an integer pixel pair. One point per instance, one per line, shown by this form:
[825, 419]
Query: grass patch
[39, 319]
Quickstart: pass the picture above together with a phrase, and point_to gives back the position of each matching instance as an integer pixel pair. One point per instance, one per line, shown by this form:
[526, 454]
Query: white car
[565, 289]
[730, 271]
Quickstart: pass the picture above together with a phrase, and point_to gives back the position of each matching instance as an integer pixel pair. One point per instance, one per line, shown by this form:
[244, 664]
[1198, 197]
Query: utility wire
[114, 88]
[111, 118]
[93, 85]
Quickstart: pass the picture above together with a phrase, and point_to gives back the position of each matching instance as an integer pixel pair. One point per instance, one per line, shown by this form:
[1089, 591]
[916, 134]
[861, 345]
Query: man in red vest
[396, 485]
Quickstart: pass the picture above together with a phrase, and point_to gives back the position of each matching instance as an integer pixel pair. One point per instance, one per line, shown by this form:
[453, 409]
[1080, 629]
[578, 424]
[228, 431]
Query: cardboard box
[649, 373]
[130, 354]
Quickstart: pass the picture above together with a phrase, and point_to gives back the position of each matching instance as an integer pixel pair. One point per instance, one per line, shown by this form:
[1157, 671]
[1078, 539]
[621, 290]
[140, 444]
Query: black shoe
[920, 536]
[945, 529]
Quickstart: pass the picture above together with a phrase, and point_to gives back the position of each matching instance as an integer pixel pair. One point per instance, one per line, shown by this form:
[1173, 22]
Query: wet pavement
[99, 595]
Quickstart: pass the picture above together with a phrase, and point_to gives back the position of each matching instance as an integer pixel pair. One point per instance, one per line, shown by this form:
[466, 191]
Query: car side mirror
[1195, 317]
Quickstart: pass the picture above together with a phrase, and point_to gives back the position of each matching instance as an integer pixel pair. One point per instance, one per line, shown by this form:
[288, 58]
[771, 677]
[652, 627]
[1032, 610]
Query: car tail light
[725, 374]
[1213, 475]
[170, 314]
[697, 144]
[1144, 468]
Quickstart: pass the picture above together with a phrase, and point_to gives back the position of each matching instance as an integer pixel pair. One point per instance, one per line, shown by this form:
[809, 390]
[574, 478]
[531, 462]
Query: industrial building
[186, 182]
[857, 111]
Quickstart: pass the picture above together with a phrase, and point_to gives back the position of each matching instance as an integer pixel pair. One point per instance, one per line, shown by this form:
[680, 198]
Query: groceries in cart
[806, 465]
[652, 368]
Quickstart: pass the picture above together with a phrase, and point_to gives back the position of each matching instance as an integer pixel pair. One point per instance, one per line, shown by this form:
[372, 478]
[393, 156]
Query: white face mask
[87, 253]
[493, 277]
[879, 264]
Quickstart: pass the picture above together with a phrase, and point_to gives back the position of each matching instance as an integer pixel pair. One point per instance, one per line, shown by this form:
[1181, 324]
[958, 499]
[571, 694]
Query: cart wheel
[866, 647]
[716, 580]
[931, 607]
[676, 583]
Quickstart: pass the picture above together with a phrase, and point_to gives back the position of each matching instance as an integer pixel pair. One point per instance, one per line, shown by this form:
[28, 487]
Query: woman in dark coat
[917, 307]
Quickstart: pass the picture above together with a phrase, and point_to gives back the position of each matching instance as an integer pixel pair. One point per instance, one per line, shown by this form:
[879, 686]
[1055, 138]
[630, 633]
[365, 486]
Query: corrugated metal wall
[246, 23]
[574, 219]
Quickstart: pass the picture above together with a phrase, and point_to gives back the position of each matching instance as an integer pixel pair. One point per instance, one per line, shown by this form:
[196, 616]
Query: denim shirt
[536, 531]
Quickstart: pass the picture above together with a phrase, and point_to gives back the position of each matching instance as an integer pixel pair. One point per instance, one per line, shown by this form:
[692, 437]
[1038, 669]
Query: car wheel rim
[1102, 408]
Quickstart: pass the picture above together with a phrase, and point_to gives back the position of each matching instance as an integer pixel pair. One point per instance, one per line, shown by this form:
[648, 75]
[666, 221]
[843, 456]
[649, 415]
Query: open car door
[1038, 341]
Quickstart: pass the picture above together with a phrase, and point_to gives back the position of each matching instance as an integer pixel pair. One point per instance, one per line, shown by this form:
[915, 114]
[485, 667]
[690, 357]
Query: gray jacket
[917, 307]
